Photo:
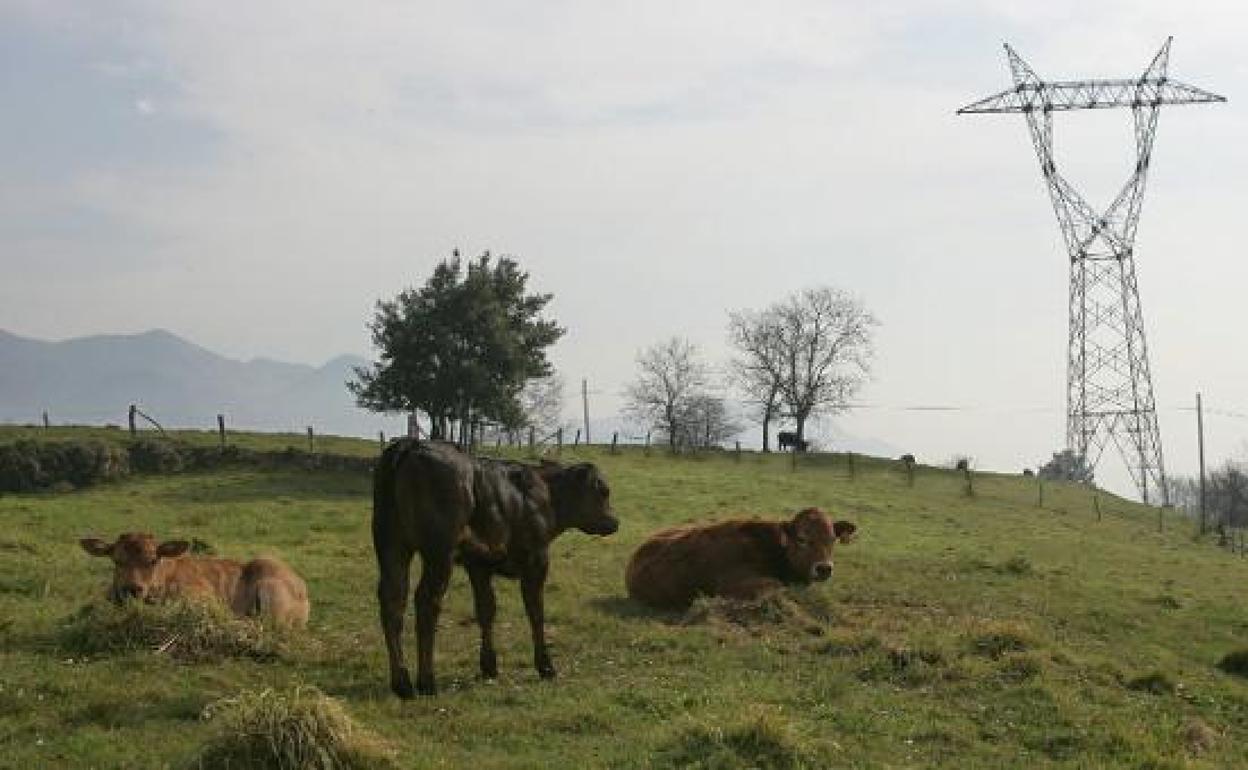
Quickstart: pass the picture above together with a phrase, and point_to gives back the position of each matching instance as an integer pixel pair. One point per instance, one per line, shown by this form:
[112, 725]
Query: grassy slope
[958, 632]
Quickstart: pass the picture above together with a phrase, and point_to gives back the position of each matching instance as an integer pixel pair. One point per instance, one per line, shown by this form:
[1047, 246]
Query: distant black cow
[908, 459]
[1028, 472]
[494, 517]
[788, 440]
[963, 464]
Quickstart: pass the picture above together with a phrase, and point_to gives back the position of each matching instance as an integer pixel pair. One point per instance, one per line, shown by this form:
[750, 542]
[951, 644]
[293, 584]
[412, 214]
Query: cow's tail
[385, 506]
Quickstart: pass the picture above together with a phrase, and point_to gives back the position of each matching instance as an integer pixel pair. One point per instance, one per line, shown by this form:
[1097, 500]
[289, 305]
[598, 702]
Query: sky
[255, 176]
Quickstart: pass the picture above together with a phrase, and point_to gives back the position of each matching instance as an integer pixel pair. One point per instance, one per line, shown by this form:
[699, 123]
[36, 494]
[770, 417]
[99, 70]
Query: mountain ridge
[93, 379]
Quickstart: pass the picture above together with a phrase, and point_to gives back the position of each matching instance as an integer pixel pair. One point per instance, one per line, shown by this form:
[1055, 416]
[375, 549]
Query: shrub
[150, 455]
[27, 466]
[184, 630]
[302, 729]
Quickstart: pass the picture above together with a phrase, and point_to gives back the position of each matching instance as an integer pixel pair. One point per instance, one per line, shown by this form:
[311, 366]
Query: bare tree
[671, 376]
[758, 368]
[705, 422]
[541, 401]
[826, 348]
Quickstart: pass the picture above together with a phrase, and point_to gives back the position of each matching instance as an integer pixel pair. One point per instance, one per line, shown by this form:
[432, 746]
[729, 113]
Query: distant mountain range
[93, 380]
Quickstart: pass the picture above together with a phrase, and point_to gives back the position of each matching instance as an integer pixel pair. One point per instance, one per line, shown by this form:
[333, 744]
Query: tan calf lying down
[741, 559]
[151, 571]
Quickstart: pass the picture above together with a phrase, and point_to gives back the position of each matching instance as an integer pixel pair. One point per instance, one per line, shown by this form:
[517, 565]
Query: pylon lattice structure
[1109, 389]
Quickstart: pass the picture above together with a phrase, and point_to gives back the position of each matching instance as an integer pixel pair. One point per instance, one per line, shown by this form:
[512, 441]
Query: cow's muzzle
[821, 571]
[604, 526]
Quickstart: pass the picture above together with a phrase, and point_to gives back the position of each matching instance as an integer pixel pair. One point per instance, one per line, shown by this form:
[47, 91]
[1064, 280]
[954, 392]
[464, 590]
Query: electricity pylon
[1109, 389]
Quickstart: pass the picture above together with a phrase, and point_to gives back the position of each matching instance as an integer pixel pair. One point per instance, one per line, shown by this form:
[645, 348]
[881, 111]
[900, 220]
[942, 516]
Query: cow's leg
[532, 585]
[484, 604]
[435, 575]
[392, 590]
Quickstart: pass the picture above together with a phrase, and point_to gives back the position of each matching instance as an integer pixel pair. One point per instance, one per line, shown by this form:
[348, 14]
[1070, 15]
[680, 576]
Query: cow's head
[581, 498]
[136, 557]
[808, 541]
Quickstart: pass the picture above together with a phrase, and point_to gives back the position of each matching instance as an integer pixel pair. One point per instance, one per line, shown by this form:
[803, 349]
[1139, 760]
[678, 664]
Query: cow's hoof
[401, 684]
[489, 664]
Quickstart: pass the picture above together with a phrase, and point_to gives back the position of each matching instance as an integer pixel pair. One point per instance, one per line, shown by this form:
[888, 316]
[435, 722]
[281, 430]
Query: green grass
[961, 631]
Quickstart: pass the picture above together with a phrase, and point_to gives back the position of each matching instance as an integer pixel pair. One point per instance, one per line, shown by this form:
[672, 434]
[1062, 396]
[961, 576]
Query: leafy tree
[460, 348]
[670, 379]
[1066, 465]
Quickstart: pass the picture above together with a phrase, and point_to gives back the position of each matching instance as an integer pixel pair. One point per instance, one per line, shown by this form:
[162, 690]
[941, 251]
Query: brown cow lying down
[741, 559]
[494, 517]
[151, 571]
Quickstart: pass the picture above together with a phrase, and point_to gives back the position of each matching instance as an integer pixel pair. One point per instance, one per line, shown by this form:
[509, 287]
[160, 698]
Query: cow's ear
[96, 546]
[844, 530]
[172, 548]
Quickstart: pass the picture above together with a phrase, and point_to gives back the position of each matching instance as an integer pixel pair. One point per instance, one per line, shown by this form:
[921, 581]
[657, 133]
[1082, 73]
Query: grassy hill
[960, 631]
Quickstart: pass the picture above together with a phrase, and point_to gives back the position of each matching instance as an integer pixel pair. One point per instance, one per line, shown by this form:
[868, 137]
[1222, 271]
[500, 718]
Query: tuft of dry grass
[299, 729]
[1198, 737]
[792, 609]
[995, 639]
[763, 742]
[189, 631]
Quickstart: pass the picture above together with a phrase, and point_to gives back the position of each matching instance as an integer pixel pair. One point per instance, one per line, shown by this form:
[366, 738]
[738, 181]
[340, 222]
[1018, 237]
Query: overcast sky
[254, 176]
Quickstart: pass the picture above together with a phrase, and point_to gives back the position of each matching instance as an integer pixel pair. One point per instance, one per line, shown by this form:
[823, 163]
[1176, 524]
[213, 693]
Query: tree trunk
[766, 428]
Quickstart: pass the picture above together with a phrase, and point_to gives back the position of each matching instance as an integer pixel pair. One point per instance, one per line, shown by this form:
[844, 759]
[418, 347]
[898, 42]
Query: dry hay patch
[798, 611]
[187, 631]
[300, 729]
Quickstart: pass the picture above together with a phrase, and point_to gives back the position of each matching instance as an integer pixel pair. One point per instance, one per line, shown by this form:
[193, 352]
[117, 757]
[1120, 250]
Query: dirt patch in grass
[301, 729]
[764, 743]
[184, 630]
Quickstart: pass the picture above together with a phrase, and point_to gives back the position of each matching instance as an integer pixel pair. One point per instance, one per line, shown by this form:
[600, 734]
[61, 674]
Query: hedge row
[28, 466]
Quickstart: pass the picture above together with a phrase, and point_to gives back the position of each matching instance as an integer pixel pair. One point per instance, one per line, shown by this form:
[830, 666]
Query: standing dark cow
[788, 440]
[494, 517]
[742, 559]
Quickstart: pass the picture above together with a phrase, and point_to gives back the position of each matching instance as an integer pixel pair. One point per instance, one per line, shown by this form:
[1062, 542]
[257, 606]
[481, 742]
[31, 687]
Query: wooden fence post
[577, 441]
[970, 481]
[134, 430]
[615, 442]
[221, 429]
[46, 424]
[559, 441]
[1039, 491]
[909, 461]
[738, 455]
[311, 441]
[647, 443]
[381, 439]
